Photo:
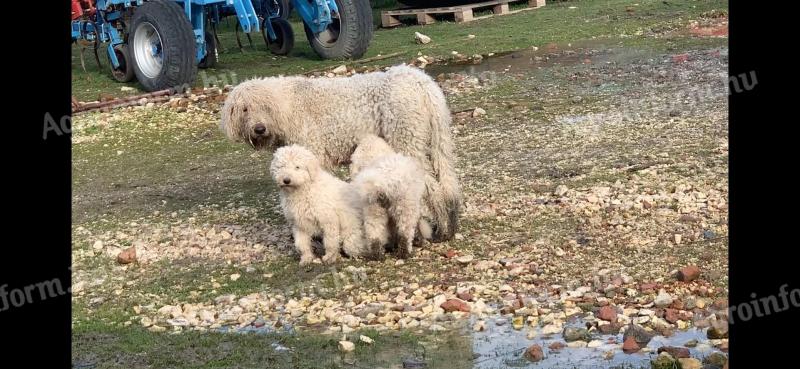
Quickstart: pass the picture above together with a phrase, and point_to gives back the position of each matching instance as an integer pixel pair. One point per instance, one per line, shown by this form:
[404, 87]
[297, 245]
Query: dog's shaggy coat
[329, 116]
[318, 204]
[391, 187]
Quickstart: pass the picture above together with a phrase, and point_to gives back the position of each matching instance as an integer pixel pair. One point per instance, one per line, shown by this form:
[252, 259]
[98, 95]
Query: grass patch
[100, 346]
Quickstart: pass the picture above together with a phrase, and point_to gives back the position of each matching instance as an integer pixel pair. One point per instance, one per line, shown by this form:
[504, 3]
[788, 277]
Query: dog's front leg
[331, 239]
[376, 229]
[302, 242]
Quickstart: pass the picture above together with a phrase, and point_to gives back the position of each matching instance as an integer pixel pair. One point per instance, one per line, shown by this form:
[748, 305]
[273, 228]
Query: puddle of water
[503, 346]
[586, 54]
[527, 59]
[264, 329]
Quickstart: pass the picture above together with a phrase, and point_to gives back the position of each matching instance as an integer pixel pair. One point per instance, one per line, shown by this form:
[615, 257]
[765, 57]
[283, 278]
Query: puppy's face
[293, 167]
[245, 118]
[369, 149]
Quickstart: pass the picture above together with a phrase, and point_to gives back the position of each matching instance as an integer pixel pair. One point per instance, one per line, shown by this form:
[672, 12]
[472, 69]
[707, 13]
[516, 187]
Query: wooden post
[535, 3]
[463, 15]
[424, 18]
[389, 20]
[501, 8]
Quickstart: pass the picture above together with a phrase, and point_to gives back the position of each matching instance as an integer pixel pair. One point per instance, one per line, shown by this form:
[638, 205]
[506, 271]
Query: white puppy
[318, 204]
[391, 187]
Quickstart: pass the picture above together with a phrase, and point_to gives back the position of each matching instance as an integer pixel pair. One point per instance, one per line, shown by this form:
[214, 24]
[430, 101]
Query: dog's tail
[447, 204]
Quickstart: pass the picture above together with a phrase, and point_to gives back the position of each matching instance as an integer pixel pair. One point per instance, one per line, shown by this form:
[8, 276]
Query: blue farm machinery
[161, 43]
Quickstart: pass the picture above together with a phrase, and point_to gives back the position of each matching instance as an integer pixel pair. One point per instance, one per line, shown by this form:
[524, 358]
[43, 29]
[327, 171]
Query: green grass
[554, 23]
[101, 346]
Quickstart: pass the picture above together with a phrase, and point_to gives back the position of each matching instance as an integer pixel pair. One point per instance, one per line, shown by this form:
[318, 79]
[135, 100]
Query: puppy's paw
[330, 258]
[403, 252]
[306, 260]
[376, 251]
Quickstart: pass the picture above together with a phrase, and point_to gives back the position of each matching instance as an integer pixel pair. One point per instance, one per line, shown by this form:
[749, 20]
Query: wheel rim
[148, 50]
[329, 36]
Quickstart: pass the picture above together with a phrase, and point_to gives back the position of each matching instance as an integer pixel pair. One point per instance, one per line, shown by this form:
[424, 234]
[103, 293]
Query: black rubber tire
[179, 67]
[355, 32]
[284, 34]
[286, 8]
[212, 55]
[262, 8]
[125, 71]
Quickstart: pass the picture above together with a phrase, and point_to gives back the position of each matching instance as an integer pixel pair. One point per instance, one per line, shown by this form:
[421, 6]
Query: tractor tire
[285, 7]
[125, 71]
[284, 41]
[212, 55]
[162, 45]
[348, 36]
[282, 7]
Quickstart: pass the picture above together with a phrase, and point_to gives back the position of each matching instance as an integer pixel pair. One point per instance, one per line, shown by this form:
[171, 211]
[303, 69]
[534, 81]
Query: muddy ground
[593, 172]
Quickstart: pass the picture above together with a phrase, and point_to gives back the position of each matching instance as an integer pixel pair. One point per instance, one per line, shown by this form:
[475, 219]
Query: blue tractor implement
[162, 42]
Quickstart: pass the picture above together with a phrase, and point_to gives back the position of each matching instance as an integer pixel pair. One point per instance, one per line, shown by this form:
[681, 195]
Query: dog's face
[246, 116]
[293, 167]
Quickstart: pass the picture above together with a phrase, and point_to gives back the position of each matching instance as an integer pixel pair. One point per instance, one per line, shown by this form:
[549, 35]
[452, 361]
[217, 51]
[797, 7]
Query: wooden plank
[462, 13]
[447, 9]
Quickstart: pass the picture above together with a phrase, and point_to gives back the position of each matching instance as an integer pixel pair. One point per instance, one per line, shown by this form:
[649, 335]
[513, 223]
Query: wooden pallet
[462, 13]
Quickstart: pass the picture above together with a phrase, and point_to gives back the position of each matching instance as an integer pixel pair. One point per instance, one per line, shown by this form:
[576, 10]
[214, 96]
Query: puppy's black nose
[287, 181]
[259, 129]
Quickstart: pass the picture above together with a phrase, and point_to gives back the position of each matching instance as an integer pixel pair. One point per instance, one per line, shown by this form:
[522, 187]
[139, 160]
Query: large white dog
[318, 204]
[329, 116]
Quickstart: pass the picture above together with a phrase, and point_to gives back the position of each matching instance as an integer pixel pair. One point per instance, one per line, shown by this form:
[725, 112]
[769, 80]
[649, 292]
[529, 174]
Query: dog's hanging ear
[231, 120]
[314, 167]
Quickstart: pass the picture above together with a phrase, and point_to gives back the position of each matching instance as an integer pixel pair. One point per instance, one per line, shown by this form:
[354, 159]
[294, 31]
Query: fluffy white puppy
[318, 204]
[391, 187]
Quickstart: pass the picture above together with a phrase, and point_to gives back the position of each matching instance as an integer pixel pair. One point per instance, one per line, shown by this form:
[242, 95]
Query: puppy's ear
[314, 167]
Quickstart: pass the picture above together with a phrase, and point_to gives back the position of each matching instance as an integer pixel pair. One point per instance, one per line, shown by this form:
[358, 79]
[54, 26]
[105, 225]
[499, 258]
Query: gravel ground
[592, 173]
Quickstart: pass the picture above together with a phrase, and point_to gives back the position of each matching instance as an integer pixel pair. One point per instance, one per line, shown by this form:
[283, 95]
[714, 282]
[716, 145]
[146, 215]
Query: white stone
[366, 339]
[346, 346]
[465, 259]
[576, 344]
[421, 39]
[663, 299]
